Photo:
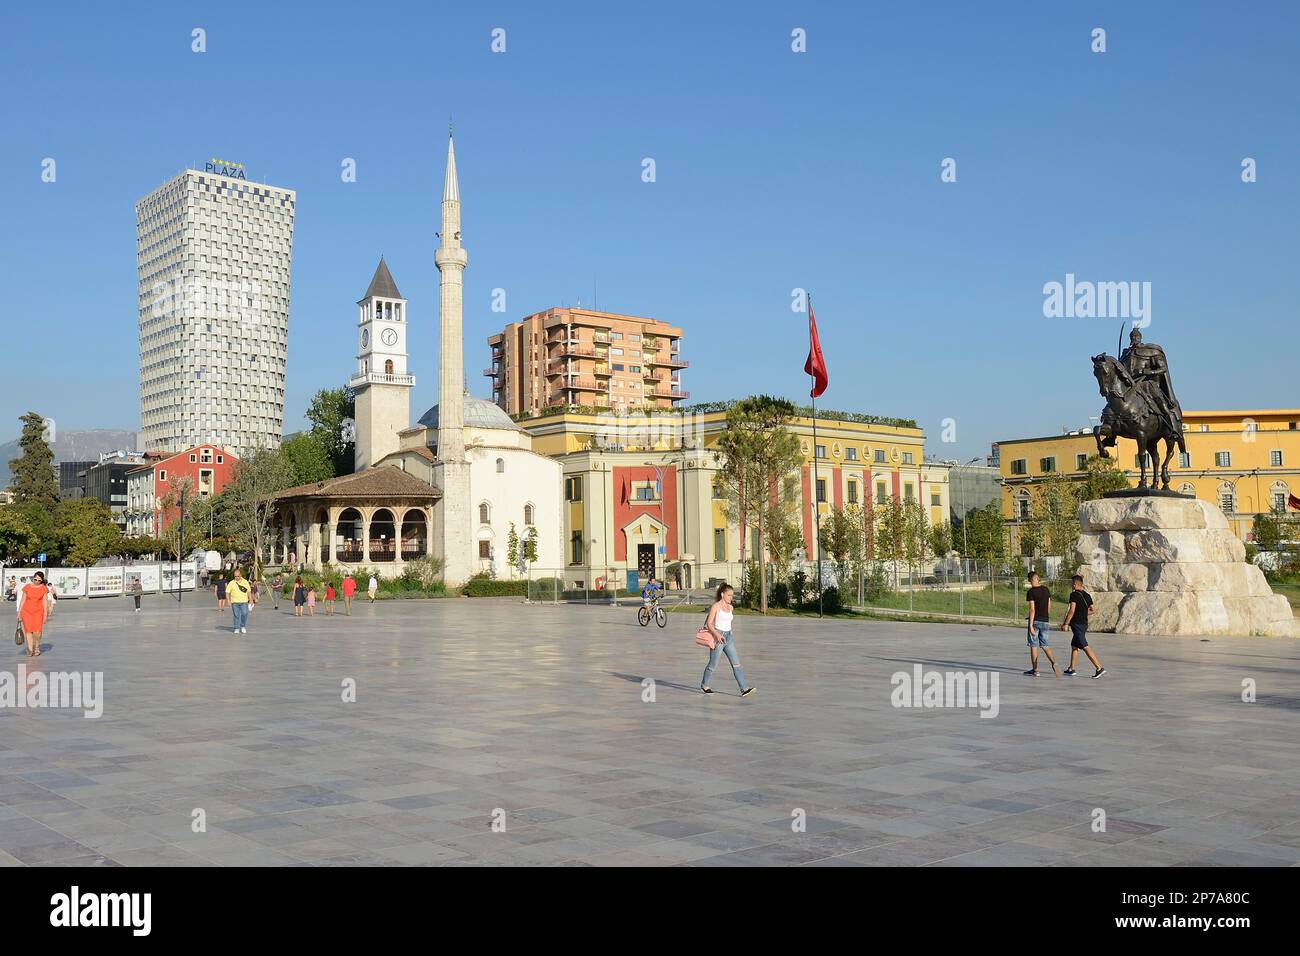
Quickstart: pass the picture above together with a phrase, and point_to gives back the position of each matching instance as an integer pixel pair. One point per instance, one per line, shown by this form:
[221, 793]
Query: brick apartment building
[567, 357]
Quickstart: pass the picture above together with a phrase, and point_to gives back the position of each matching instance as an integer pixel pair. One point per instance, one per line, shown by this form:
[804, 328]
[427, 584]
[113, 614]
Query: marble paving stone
[470, 707]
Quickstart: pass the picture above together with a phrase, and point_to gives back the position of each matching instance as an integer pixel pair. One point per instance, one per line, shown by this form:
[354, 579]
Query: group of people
[241, 595]
[1039, 619]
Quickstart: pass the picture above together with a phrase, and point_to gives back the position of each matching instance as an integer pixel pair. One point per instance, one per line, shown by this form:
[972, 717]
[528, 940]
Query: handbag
[19, 637]
[704, 637]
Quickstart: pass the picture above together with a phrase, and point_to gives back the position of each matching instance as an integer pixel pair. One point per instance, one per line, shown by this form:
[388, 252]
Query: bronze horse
[1137, 410]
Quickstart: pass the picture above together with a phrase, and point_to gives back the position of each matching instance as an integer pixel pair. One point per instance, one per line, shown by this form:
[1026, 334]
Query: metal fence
[597, 585]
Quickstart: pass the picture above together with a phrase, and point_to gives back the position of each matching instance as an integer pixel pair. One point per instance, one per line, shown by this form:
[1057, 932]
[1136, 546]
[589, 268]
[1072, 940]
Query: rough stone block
[1177, 544]
[1140, 514]
[1173, 613]
[1244, 580]
[1187, 576]
[1131, 577]
[1105, 610]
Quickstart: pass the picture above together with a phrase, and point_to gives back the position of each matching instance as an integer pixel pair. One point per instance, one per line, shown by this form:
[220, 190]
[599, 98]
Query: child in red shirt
[329, 599]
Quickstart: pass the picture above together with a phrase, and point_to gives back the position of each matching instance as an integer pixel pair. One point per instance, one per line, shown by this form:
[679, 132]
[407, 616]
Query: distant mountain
[69, 445]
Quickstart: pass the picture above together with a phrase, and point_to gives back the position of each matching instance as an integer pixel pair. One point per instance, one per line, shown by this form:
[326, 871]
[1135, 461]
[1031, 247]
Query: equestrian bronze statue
[1140, 404]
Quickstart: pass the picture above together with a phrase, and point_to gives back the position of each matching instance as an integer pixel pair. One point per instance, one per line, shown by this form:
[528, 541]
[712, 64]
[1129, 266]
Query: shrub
[780, 594]
[798, 587]
[875, 584]
[481, 585]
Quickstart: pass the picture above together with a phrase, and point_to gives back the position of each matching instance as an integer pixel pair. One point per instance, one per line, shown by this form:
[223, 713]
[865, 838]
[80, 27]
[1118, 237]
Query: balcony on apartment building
[584, 385]
[674, 393]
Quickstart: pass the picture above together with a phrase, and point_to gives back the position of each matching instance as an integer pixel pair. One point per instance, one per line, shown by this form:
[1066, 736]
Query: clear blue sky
[775, 170]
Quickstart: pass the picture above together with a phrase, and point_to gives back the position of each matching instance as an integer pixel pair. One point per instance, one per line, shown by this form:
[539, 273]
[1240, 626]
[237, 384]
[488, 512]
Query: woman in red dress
[32, 600]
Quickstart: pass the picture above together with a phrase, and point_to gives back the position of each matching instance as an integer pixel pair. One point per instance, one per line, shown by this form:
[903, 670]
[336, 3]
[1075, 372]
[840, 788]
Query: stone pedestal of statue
[1168, 565]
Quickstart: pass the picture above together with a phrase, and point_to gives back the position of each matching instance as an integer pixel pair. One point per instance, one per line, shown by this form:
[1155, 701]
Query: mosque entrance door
[645, 560]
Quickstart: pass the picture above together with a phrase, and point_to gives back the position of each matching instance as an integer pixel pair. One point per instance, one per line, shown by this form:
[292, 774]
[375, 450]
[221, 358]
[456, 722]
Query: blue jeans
[729, 648]
[1038, 635]
[240, 613]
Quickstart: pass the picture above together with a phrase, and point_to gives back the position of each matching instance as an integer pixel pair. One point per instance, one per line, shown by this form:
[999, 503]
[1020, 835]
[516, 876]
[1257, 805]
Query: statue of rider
[1146, 362]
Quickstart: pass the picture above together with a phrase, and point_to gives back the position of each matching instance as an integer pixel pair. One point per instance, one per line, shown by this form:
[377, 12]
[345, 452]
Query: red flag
[1293, 501]
[816, 364]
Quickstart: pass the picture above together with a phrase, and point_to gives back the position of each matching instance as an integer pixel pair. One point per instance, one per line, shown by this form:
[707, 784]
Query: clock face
[365, 338]
[389, 336]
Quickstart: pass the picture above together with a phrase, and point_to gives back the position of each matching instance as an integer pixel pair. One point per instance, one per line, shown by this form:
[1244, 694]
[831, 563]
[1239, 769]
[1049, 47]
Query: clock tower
[381, 382]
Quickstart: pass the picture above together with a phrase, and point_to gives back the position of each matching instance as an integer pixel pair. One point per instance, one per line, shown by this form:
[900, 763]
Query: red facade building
[207, 469]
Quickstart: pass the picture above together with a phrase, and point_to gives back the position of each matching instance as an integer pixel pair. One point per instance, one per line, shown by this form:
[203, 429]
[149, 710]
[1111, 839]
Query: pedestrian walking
[1039, 601]
[220, 589]
[254, 587]
[277, 588]
[329, 599]
[349, 590]
[719, 624]
[373, 588]
[238, 593]
[311, 601]
[33, 611]
[135, 589]
[1076, 619]
[299, 597]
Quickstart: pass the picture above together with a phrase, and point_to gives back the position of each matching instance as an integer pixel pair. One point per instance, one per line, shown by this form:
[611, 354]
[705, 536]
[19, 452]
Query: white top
[722, 620]
[373, 583]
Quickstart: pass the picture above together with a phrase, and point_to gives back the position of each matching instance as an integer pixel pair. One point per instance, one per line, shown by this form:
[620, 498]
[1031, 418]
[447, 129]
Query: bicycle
[646, 610]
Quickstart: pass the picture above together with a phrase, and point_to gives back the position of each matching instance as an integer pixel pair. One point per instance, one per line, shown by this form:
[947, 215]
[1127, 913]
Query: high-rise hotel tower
[213, 252]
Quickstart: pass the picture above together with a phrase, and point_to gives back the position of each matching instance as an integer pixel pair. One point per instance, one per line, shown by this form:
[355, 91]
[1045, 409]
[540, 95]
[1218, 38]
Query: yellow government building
[641, 496]
[1247, 462]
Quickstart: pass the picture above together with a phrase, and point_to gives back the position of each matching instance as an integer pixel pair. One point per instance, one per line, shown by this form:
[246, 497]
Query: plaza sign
[225, 167]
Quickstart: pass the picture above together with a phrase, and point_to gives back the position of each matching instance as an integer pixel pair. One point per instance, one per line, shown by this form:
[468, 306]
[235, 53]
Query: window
[646, 492]
[221, 459]
[1279, 501]
[907, 458]
[193, 459]
[162, 474]
[821, 490]
[908, 494]
[528, 514]
[850, 454]
[880, 491]
[820, 451]
[936, 500]
[573, 488]
[853, 492]
[1022, 506]
[1227, 502]
[719, 489]
[485, 550]
[1080, 462]
[501, 466]
[1184, 459]
[1047, 465]
[1275, 458]
[719, 544]
[388, 366]
[483, 513]
[575, 548]
[880, 456]
[1018, 467]
[1223, 459]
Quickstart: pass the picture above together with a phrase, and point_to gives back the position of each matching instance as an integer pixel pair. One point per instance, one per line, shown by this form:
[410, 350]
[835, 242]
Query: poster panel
[67, 582]
[104, 582]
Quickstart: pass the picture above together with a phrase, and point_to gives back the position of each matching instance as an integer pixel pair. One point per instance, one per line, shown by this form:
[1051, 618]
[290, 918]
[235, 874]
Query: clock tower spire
[381, 382]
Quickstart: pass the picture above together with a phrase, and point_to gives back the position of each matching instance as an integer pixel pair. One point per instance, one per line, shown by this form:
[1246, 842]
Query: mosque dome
[479, 413]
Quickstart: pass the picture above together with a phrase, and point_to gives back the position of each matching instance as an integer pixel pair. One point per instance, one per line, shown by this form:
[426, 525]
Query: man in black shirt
[1039, 600]
[1076, 619]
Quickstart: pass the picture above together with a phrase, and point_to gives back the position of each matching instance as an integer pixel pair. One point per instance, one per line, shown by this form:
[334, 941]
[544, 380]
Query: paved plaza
[468, 711]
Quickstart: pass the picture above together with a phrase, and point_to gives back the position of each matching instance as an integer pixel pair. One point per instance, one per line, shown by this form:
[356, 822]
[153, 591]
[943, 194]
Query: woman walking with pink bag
[718, 627]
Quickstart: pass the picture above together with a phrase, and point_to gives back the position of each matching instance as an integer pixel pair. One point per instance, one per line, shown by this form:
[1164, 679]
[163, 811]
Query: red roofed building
[208, 469]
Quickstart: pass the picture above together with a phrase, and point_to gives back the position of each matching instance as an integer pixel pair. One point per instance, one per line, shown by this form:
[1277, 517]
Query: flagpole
[817, 511]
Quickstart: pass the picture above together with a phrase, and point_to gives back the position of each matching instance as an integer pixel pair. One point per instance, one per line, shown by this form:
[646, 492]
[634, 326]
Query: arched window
[483, 513]
[1022, 505]
[388, 366]
[501, 466]
[528, 514]
[1278, 494]
[1227, 497]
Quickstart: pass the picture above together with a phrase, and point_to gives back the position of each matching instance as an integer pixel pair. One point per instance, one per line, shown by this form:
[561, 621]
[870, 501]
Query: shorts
[1038, 636]
[1080, 636]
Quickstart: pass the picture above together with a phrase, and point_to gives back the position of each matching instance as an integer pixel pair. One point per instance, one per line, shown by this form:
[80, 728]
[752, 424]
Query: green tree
[17, 540]
[985, 538]
[784, 534]
[1100, 476]
[1056, 514]
[329, 409]
[33, 481]
[512, 547]
[250, 499]
[45, 533]
[308, 457]
[843, 539]
[755, 454]
[941, 539]
[1270, 529]
[530, 546]
[916, 535]
[889, 531]
[85, 531]
[181, 498]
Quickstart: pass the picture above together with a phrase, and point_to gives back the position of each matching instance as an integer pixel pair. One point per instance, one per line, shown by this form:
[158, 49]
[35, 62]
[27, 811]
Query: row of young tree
[80, 532]
[759, 458]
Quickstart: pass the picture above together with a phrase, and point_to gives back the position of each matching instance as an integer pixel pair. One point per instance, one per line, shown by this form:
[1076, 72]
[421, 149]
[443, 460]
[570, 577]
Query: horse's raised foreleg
[1103, 438]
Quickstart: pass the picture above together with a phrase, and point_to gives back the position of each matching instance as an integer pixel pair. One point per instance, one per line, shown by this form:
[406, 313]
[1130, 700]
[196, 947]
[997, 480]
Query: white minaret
[382, 384]
[451, 473]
